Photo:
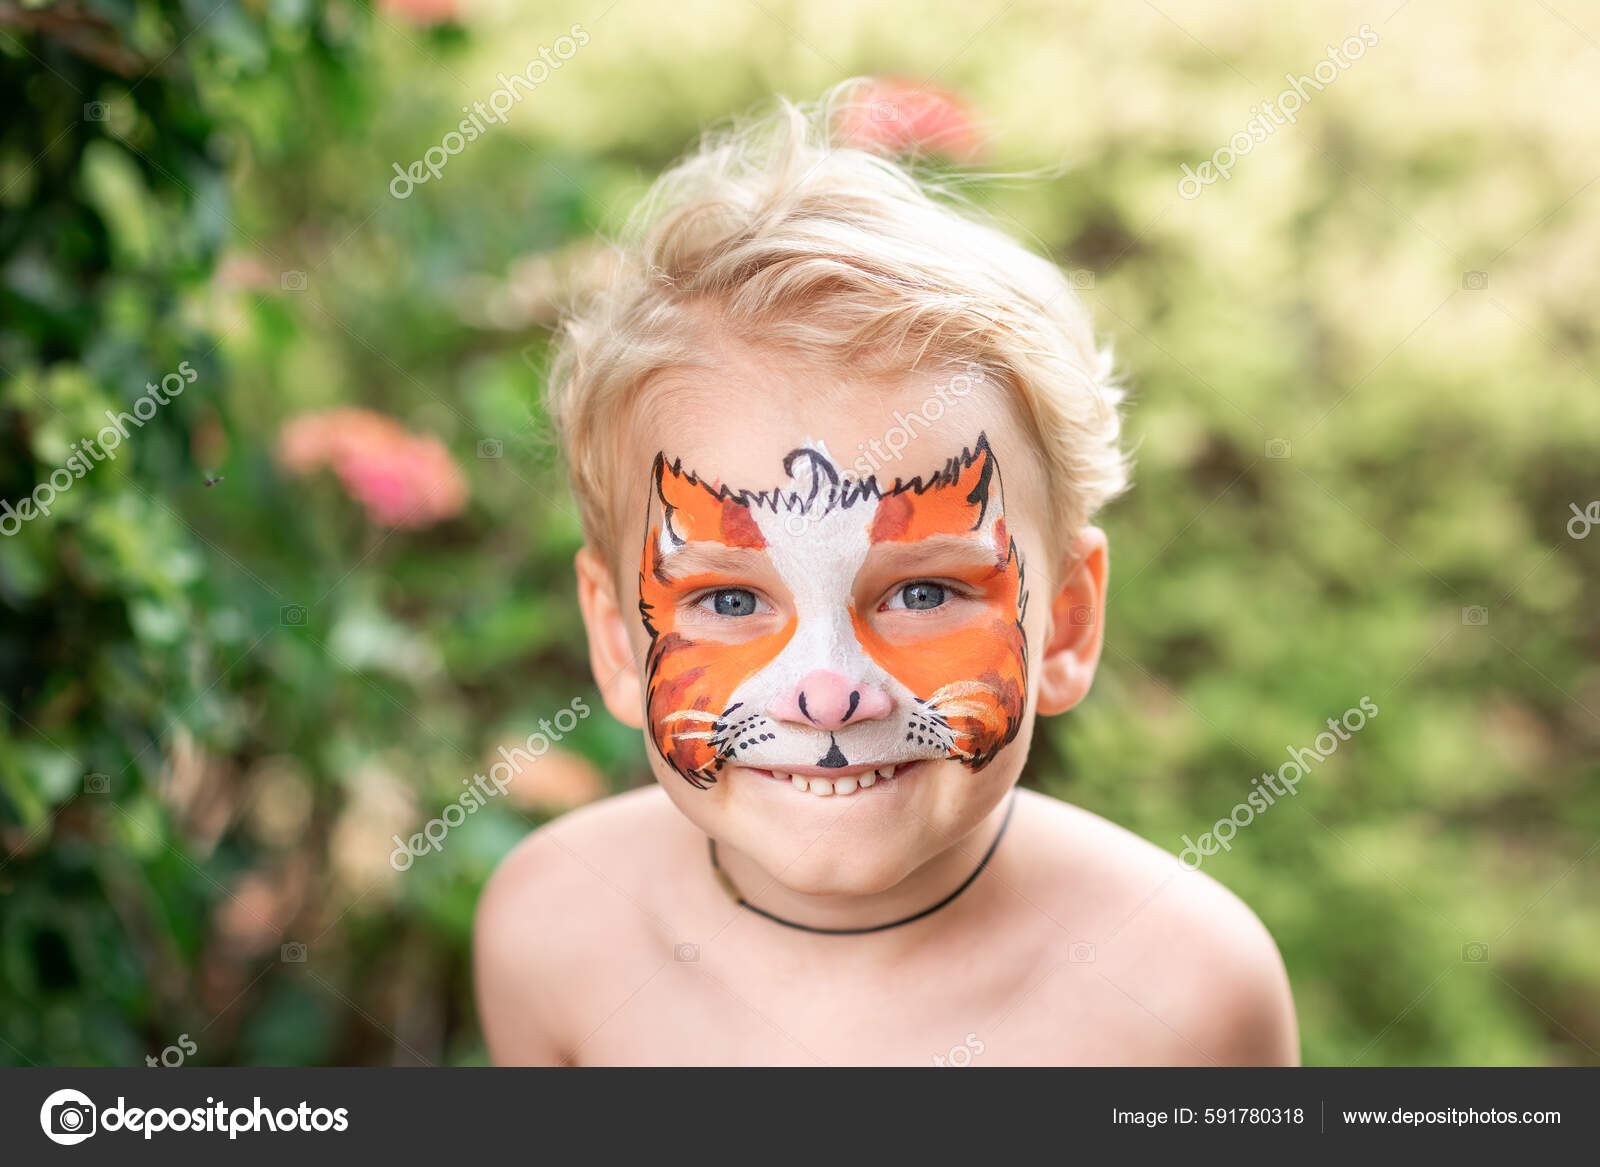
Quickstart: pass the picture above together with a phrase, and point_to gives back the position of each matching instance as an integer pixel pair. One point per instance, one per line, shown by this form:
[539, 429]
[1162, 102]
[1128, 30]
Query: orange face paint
[716, 693]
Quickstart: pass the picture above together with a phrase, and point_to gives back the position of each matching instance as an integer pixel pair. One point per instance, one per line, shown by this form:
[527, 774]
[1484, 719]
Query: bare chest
[715, 1005]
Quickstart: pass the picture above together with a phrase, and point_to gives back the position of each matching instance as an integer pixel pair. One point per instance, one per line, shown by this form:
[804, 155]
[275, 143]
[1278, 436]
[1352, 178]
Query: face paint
[823, 682]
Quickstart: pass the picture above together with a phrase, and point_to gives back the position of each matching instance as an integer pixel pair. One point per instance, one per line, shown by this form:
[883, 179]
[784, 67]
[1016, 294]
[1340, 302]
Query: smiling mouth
[824, 782]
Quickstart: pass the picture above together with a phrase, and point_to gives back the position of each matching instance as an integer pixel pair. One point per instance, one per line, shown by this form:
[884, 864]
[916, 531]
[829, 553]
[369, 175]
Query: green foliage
[220, 701]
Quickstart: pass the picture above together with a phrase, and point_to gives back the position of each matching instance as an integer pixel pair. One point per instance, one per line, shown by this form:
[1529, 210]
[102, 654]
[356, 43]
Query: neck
[927, 887]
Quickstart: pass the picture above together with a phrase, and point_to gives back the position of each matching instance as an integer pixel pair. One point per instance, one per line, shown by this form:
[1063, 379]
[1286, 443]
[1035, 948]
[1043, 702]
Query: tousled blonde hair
[840, 254]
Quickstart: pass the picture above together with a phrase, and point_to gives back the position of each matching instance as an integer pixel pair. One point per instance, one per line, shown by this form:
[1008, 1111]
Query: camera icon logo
[292, 615]
[1081, 953]
[96, 111]
[293, 281]
[1082, 279]
[292, 953]
[67, 1117]
[1475, 952]
[1278, 447]
[795, 523]
[885, 111]
[1082, 615]
[490, 448]
[97, 783]
[1474, 281]
[890, 786]
[686, 953]
[1474, 615]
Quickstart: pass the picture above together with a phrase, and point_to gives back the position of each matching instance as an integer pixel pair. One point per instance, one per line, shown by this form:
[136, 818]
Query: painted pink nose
[830, 701]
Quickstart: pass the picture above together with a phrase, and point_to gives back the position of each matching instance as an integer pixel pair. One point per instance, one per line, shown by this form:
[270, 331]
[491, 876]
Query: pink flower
[421, 12]
[901, 117]
[244, 272]
[403, 479]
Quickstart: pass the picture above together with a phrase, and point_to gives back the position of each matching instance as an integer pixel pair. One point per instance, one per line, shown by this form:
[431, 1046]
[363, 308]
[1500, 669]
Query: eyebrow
[699, 557]
[954, 550]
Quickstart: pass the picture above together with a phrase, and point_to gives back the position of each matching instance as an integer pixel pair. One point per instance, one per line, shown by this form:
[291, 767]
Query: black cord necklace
[733, 892]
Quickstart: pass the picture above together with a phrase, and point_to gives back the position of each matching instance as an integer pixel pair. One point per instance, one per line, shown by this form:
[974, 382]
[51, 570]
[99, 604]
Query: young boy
[835, 446]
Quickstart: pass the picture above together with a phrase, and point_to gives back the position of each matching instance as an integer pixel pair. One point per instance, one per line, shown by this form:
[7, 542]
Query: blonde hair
[796, 239]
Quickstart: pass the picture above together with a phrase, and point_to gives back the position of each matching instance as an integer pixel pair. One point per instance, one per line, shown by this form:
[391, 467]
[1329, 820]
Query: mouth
[827, 782]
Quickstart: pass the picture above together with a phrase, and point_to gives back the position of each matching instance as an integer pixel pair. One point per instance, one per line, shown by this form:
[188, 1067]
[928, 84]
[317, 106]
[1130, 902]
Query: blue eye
[731, 602]
[921, 596]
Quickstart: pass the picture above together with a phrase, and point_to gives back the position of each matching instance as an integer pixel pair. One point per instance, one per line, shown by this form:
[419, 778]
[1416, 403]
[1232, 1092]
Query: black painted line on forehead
[843, 490]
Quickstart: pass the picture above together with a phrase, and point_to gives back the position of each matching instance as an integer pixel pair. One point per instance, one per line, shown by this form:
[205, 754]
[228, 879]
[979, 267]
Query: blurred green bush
[224, 689]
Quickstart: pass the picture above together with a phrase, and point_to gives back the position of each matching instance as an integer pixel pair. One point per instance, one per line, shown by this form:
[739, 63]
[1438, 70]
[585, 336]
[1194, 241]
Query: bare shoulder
[575, 888]
[581, 870]
[1170, 943]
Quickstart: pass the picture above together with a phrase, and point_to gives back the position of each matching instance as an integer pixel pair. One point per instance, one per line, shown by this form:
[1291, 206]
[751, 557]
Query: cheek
[688, 686]
[990, 715]
[975, 677]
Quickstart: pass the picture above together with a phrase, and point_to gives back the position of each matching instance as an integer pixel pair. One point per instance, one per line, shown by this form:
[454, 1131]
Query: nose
[827, 700]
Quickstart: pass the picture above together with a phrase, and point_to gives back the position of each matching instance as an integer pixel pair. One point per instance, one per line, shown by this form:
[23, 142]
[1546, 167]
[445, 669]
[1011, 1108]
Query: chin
[830, 876]
[860, 844]
[822, 852]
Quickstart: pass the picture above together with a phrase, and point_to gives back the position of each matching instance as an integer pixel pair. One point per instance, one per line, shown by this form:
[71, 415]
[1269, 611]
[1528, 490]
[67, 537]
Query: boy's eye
[919, 596]
[731, 602]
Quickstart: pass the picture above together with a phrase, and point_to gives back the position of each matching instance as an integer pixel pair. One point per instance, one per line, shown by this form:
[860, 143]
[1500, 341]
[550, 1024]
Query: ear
[1076, 626]
[611, 657]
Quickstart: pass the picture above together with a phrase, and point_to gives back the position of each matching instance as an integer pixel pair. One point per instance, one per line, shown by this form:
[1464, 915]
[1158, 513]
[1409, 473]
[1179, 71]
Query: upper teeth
[823, 787]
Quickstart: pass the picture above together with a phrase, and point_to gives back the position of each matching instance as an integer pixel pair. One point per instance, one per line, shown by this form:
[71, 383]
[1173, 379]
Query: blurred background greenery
[228, 678]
